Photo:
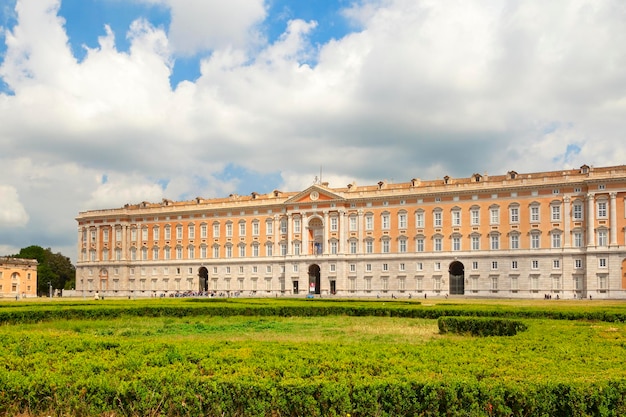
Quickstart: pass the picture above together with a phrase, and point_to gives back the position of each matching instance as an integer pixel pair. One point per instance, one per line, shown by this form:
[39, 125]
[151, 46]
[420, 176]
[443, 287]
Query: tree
[53, 268]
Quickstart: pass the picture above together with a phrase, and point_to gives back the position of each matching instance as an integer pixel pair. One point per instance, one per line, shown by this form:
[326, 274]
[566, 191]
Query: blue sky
[85, 21]
[108, 102]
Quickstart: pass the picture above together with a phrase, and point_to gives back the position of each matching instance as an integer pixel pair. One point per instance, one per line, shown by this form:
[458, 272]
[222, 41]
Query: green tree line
[54, 269]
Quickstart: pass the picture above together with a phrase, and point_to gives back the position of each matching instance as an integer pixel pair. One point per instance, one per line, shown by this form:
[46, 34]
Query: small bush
[480, 326]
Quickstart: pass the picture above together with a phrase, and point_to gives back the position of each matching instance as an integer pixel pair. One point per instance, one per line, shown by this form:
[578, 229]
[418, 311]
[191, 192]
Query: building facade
[18, 277]
[560, 233]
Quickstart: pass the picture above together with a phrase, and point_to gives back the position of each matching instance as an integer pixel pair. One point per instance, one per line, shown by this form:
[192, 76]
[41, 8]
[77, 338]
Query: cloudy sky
[107, 102]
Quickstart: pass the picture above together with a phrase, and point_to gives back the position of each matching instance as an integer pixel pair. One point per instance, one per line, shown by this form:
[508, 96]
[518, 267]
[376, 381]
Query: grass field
[202, 364]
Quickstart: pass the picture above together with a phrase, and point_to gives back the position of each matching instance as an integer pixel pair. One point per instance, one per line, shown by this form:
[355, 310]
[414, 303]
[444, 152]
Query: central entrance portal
[314, 279]
[457, 278]
[203, 273]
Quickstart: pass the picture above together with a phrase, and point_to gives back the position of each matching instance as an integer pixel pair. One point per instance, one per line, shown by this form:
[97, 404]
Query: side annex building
[559, 233]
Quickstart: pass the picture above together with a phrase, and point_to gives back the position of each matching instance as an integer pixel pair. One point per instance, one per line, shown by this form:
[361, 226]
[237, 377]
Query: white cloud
[205, 25]
[12, 212]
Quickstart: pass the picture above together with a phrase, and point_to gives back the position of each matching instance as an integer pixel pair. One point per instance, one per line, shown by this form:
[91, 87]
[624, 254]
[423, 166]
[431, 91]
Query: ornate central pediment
[314, 193]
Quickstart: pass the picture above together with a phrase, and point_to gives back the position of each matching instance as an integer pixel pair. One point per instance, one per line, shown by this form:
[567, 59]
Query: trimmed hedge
[160, 395]
[32, 313]
[480, 326]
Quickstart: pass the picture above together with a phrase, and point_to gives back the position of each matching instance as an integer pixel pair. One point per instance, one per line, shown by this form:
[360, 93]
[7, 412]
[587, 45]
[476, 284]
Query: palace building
[560, 233]
[18, 277]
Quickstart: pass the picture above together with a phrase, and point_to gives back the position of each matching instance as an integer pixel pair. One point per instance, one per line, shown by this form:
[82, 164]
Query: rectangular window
[216, 230]
[334, 224]
[296, 248]
[578, 263]
[229, 230]
[534, 264]
[242, 251]
[229, 251]
[601, 209]
[420, 266]
[419, 219]
[255, 228]
[402, 246]
[475, 242]
[556, 264]
[269, 250]
[437, 218]
[333, 267]
[179, 252]
[283, 226]
[385, 221]
[494, 264]
[578, 211]
[602, 238]
[297, 225]
[369, 222]
[269, 227]
[514, 241]
[352, 247]
[179, 232]
[456, 243]
[495, 216]
[419, 245]
[556, 213]
[437, 266]
[534, 241]
[514, 214]
[475, 217]
[203, 252]
[534, 214]
[602, 262]
[402, 221]
[494, 283]
[368, 267]
[352, 226]
[385, 246]
[513, 264]
[105, 235]
[191, 252]
[385, 267]
[401, 267]
[495, 242]
[333, 247]
[283, 249]
[203, 231]
[474, 265]
[556, 240]
[369, 246]
[352, 267]
[242, 229]
[456, 218]
[438, 244]
[216, 252]
[578, 240]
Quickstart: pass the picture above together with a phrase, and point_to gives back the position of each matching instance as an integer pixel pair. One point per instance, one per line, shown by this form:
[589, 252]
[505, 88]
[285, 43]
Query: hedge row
[480, 326]
[36, 313]
[162, 396]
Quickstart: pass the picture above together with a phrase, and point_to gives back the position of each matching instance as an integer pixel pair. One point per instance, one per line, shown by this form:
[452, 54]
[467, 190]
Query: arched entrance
[203, 273]
[314, 279]
[457, 278]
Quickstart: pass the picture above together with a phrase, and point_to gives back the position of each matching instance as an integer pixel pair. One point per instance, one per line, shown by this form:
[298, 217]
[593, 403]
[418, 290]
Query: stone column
[98, 245]
[566, 222]
[591, 239]
[342, 231]
[304, 230]
[124, 242]
[360, 226]
[326, 242]
[613, 218]
[289, 233]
